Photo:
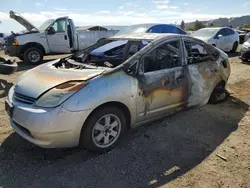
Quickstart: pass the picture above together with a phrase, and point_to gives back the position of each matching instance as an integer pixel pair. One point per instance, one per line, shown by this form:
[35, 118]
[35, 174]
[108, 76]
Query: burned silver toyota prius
[91, 101]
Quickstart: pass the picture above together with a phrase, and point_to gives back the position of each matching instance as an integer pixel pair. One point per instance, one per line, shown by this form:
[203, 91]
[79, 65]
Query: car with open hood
[67, 103]
[54, 36]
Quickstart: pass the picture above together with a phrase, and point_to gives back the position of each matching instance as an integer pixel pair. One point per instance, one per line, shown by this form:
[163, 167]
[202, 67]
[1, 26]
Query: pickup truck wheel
[33, 56]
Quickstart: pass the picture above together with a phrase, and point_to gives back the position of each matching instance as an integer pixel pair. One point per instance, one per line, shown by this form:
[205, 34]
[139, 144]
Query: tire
[235, 46]
[93, 135]
[8, 67]
[219, 95]
[33, 52]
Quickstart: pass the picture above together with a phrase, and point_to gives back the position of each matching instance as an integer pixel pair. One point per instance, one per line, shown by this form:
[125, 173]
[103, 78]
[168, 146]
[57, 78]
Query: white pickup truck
[57, 36]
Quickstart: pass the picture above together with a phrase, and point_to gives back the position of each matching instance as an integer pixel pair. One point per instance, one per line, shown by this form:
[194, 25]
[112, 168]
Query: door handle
[65, 37]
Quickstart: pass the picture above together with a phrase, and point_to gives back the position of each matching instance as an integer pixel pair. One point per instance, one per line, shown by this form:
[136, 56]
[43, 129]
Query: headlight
[15, 43]
[57, 95]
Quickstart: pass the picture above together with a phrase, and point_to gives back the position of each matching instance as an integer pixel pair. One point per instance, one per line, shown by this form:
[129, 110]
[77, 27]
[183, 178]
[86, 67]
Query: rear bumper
[14, 51]
[245, 54]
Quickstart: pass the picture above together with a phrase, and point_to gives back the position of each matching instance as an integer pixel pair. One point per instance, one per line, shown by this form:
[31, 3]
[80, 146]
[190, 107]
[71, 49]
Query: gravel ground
[200, 147]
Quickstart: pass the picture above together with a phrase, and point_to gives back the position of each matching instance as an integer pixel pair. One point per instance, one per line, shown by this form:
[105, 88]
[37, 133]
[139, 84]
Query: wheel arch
[120, 105]
[33, 44]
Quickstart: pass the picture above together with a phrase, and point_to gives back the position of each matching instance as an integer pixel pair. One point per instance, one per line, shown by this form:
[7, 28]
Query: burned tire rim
[34, 56]
[106, 131]
[220, 96]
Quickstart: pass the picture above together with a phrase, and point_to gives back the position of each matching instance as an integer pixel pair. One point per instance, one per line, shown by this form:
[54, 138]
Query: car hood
[205, 39]
[29, 26]
[44, 77]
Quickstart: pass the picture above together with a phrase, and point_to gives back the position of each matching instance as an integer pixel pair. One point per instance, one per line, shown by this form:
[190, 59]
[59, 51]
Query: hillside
[221, 22]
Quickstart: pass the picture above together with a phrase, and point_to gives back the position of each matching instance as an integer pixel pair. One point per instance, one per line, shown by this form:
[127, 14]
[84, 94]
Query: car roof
[215, 28]
[143, 36]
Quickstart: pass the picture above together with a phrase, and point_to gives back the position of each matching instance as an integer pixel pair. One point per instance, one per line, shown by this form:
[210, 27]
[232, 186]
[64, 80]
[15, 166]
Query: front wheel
[103, 129]
[33, 56]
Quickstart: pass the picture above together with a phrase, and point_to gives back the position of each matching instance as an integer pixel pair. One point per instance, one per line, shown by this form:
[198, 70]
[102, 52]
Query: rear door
[163, 86]
[230, 38]
[202, 72]
[59, 40]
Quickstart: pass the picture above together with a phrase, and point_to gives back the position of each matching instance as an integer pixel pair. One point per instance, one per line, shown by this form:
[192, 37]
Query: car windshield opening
[109, 53]
[45, 25]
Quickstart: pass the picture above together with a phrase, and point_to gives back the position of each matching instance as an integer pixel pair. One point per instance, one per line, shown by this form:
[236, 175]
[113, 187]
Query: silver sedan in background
[223, 38]
[80, 101]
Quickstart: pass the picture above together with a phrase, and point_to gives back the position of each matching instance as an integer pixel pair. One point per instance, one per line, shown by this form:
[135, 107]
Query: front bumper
[245, 53]
[14, 51]
[48, 128]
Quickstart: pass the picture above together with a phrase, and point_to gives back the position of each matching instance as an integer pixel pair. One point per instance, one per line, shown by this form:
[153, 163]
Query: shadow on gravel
[150, 156]
[233, 54]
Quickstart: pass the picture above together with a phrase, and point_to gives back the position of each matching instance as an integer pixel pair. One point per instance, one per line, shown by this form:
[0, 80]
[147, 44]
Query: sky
[119, 12]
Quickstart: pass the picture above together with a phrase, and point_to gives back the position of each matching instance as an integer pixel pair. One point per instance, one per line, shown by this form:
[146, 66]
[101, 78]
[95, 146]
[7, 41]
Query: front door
[58, 40]
[202, 72]
[163, 86]
[221, 42]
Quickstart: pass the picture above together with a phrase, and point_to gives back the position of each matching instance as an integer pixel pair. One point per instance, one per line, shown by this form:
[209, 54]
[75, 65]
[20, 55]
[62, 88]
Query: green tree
[198, 25]
[183, 24]
[190, 28]
[246, 26]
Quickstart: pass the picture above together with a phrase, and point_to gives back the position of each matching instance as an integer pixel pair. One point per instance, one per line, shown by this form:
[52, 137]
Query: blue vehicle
[112, 52]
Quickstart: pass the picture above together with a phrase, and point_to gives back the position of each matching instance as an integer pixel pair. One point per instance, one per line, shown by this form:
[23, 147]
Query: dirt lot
[207, 146]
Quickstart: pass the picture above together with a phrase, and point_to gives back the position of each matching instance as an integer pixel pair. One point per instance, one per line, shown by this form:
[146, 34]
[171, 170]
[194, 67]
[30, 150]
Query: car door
[230, 38]
[163, 85]
[202, 72]
[58, 39]
[221, 41]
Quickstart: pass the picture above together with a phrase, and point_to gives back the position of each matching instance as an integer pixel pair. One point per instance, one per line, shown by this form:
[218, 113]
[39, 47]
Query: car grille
[23, 98]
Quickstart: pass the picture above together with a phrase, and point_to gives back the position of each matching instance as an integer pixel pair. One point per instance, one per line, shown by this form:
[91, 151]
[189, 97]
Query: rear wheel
[33, 55]
[219, 94]
[103, 129]
[235, 46]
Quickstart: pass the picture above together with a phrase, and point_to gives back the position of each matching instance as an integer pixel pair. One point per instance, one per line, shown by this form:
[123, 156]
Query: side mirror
[51, 31]
[218, 37]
